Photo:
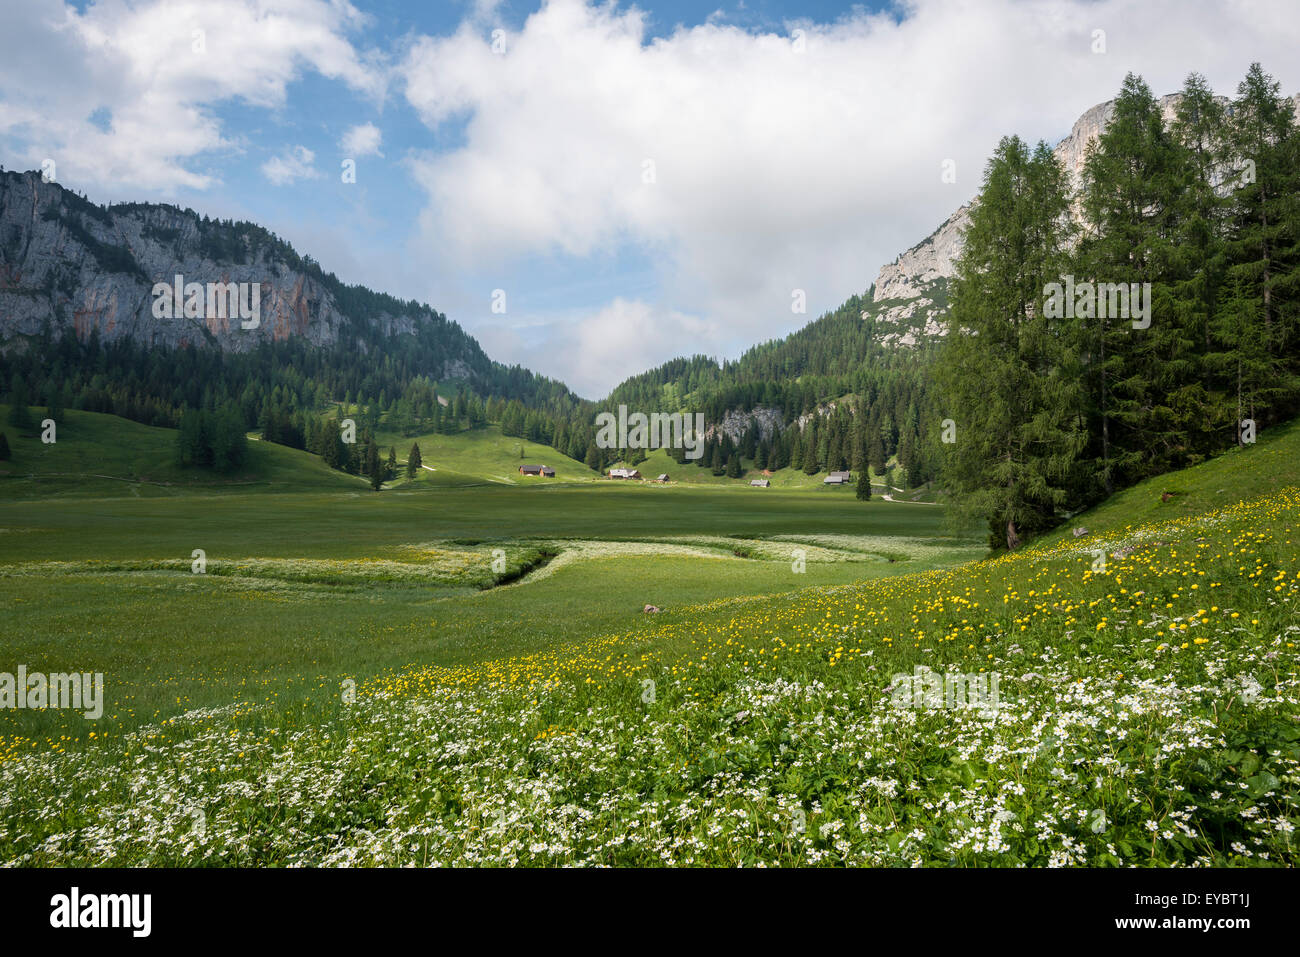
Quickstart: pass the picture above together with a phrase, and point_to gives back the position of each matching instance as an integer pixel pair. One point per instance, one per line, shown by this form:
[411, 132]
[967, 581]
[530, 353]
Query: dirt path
[886, 497]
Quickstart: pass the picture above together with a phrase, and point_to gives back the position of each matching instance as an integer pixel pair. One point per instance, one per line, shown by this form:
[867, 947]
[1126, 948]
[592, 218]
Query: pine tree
[373, 466]
[227, 439]
[413, 461]
[1259, 324]
[907, 456]
[863, 492]
[4, 448]
[1010, 384]
[858, 462]
[390, 470]
[332, 450]
[19, 415]
[810, 464]
[1200, 252]
[876, 452]
[1132, 181]
[54, 400]
[190, 445]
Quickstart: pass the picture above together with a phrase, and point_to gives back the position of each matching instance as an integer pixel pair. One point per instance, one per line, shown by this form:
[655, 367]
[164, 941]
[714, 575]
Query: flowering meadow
[1147, 716]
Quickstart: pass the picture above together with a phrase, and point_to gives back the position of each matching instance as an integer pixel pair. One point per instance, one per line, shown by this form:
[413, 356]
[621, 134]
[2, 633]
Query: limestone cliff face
[735, 423]
[66, 263]
[911, 292]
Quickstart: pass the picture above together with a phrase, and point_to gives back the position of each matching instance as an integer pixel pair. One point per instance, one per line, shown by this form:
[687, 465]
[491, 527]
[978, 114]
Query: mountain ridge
[70, 265]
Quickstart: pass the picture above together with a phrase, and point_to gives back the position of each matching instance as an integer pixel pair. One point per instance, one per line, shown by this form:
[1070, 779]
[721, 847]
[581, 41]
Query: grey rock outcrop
[735, 423]
[66, 263]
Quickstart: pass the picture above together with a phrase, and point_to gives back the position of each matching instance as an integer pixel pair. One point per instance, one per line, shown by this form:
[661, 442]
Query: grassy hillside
[96, 454]
[1145, 715]
[480, 455]
[1268, 466]
[106, 455]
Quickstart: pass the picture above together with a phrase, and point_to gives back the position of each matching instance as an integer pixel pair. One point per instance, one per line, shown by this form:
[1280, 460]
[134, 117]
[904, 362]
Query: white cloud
[589, 352]
[361, 141]
[290, 166]
[142, 63]
[774, 169]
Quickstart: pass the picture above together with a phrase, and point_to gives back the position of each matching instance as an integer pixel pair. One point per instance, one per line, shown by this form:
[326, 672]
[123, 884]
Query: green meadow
[308, 576]
[462, 673]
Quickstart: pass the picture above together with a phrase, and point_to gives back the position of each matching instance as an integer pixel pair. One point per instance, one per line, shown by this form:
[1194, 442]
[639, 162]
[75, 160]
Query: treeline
[844, 433]
[573, 435]
[868, 429]
[840, 353]
[278, 388]
[1058, 394]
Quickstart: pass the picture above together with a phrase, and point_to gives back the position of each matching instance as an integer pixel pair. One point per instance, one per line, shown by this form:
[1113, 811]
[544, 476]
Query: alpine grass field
[352, 682]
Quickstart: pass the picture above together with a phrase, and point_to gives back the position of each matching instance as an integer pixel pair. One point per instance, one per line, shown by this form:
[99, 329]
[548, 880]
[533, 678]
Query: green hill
[1267, 467]
[103, 454]
[479, 455]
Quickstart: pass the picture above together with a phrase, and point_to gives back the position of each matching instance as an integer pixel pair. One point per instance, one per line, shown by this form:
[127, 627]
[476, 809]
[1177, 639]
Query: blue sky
[640, 181]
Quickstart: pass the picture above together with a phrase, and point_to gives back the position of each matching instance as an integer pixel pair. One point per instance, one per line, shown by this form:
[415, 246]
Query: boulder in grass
[1080, 531]
[650, 610]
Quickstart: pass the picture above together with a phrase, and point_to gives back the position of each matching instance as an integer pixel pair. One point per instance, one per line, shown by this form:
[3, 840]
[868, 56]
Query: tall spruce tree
[1008, 373]
[863, 491]
[1132, 179]
[1198, 131]
[811, 465]
[1259, 322]
[373, 465]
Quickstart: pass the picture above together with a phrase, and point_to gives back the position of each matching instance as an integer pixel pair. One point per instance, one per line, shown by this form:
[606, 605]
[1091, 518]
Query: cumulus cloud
[746, 165]
[361, 141]
[157, 70]
[589, 351]
[292, 165]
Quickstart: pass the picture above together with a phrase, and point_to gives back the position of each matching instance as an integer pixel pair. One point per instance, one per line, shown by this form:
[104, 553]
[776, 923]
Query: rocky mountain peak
[911, 292]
